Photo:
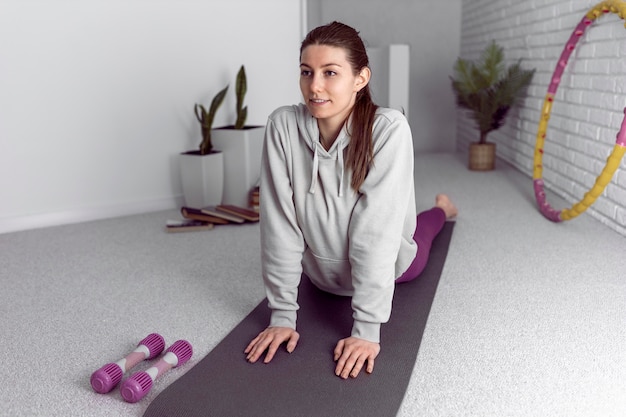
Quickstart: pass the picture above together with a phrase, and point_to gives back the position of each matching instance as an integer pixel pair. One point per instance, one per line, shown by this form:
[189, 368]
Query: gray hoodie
[312, 222]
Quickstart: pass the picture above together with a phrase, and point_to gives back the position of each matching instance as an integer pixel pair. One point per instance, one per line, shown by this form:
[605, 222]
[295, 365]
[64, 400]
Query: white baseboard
[80, 215]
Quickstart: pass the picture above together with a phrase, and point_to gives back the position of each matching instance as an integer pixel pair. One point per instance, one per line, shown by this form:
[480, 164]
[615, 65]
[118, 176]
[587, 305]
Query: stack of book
[205, 218]
[255, 198]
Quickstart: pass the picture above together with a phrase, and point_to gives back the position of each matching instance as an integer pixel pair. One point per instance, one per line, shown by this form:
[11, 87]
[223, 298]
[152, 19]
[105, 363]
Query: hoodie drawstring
[341, 168]
[315, 169]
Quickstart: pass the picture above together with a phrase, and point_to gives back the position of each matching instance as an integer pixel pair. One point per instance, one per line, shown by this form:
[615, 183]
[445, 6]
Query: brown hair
[361, 148]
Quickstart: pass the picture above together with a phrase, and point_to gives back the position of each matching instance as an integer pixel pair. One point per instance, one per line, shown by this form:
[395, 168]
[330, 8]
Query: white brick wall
[588, 108]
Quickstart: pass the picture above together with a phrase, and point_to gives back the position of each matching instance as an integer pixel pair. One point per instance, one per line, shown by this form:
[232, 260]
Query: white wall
[432, 30]
[97, 96]
[588, 108]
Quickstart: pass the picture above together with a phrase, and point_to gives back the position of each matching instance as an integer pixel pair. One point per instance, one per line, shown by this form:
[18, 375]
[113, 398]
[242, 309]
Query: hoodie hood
[307, 124]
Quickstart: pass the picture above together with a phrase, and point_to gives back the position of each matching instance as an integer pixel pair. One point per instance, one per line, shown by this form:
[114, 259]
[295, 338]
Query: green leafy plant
[241, 87]
[206, 120]
[489, 88]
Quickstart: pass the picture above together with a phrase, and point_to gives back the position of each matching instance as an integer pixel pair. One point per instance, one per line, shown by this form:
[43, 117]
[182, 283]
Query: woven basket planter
[482, 156]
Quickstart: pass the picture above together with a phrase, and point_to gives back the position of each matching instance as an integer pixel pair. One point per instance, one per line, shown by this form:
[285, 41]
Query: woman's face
[328, 83]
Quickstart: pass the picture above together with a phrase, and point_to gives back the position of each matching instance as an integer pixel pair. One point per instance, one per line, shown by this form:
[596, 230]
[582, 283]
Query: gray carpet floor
[529, 318]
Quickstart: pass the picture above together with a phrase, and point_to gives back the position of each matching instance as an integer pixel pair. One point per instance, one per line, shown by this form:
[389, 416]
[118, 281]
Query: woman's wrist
[367, 331]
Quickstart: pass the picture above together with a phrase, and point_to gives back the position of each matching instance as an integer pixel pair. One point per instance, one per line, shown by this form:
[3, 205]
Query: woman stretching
[338, 201]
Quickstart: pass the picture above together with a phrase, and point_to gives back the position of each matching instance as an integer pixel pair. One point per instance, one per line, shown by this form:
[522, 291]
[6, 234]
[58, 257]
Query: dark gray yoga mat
[303, 383]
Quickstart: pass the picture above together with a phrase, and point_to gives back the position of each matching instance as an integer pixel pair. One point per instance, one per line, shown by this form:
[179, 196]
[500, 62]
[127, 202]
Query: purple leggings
[429, 224]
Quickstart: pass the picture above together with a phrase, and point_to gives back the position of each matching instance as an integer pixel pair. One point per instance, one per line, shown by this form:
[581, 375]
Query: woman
[338, 201]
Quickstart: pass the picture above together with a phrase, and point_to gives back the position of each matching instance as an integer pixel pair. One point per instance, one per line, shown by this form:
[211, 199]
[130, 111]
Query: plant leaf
[488, 88]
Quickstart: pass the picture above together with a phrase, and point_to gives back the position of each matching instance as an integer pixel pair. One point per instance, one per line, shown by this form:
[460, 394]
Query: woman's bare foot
[443, 202]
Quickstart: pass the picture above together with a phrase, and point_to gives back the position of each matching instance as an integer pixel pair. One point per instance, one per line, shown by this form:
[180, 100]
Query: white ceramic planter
[242, 151]
[202, 177]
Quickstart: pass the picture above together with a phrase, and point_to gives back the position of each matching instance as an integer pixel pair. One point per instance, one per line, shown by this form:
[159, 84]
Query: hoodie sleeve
[282, 242]
[377, 226]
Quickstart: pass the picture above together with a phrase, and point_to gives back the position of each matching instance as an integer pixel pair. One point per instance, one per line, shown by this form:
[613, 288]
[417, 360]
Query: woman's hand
[352, 353]
[270, 339]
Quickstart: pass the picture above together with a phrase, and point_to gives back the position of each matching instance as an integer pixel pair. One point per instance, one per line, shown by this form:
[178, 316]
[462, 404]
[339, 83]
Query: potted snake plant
[488, 89]
[202, 170]
[241, 146]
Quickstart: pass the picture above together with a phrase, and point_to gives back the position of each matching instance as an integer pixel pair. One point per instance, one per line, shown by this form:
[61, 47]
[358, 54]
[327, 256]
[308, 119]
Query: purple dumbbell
[139, 384]
[107, 377]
